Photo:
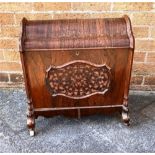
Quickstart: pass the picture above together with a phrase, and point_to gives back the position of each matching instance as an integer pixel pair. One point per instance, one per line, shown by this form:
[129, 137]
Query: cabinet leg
[125, 115]
[31, 119]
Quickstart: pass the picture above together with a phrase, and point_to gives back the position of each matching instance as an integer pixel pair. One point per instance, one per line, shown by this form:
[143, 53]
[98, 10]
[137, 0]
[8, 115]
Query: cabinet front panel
[38, 62]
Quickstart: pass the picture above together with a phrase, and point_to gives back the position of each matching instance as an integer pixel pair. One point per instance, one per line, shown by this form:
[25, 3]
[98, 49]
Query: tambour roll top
[77, 33]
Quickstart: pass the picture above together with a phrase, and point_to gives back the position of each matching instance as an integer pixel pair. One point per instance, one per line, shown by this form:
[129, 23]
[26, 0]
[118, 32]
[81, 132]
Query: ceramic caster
[32, 133]
[126, 118]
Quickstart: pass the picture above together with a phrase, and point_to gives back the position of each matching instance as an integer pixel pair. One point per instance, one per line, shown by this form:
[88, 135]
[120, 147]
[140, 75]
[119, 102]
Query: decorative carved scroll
[78, 79]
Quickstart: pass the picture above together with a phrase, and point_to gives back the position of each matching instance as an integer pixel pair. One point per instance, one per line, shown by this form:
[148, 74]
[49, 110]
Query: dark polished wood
[76, 67]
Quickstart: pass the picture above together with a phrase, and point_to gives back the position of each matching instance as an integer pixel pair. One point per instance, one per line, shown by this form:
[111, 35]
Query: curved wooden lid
[77, 33]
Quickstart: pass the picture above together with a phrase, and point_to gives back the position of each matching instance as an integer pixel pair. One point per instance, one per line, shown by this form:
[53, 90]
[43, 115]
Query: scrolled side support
[31, 118]
[125, 112]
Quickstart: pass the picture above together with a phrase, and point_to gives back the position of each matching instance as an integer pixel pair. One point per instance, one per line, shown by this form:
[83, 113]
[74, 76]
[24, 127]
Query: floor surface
[90, 134]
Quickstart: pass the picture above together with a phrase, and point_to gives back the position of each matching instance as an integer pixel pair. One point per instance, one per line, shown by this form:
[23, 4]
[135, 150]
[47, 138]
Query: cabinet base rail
[70, 108]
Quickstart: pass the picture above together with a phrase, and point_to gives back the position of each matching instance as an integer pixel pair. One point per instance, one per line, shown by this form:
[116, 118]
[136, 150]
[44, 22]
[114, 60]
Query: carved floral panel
[78, 79]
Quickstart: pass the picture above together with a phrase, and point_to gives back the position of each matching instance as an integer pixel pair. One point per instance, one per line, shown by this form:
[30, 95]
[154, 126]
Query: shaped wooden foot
[31, 126]
[31, 119]
[125, 115]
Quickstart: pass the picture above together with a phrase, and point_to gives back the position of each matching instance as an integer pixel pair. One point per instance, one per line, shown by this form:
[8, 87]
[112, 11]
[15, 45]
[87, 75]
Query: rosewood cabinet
[76, 67]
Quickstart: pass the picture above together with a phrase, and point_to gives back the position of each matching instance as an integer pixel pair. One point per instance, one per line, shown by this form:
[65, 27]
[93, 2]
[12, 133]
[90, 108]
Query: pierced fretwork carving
[78, 79]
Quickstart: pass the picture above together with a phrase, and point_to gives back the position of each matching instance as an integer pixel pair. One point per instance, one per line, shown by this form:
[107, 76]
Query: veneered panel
[38, 62]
